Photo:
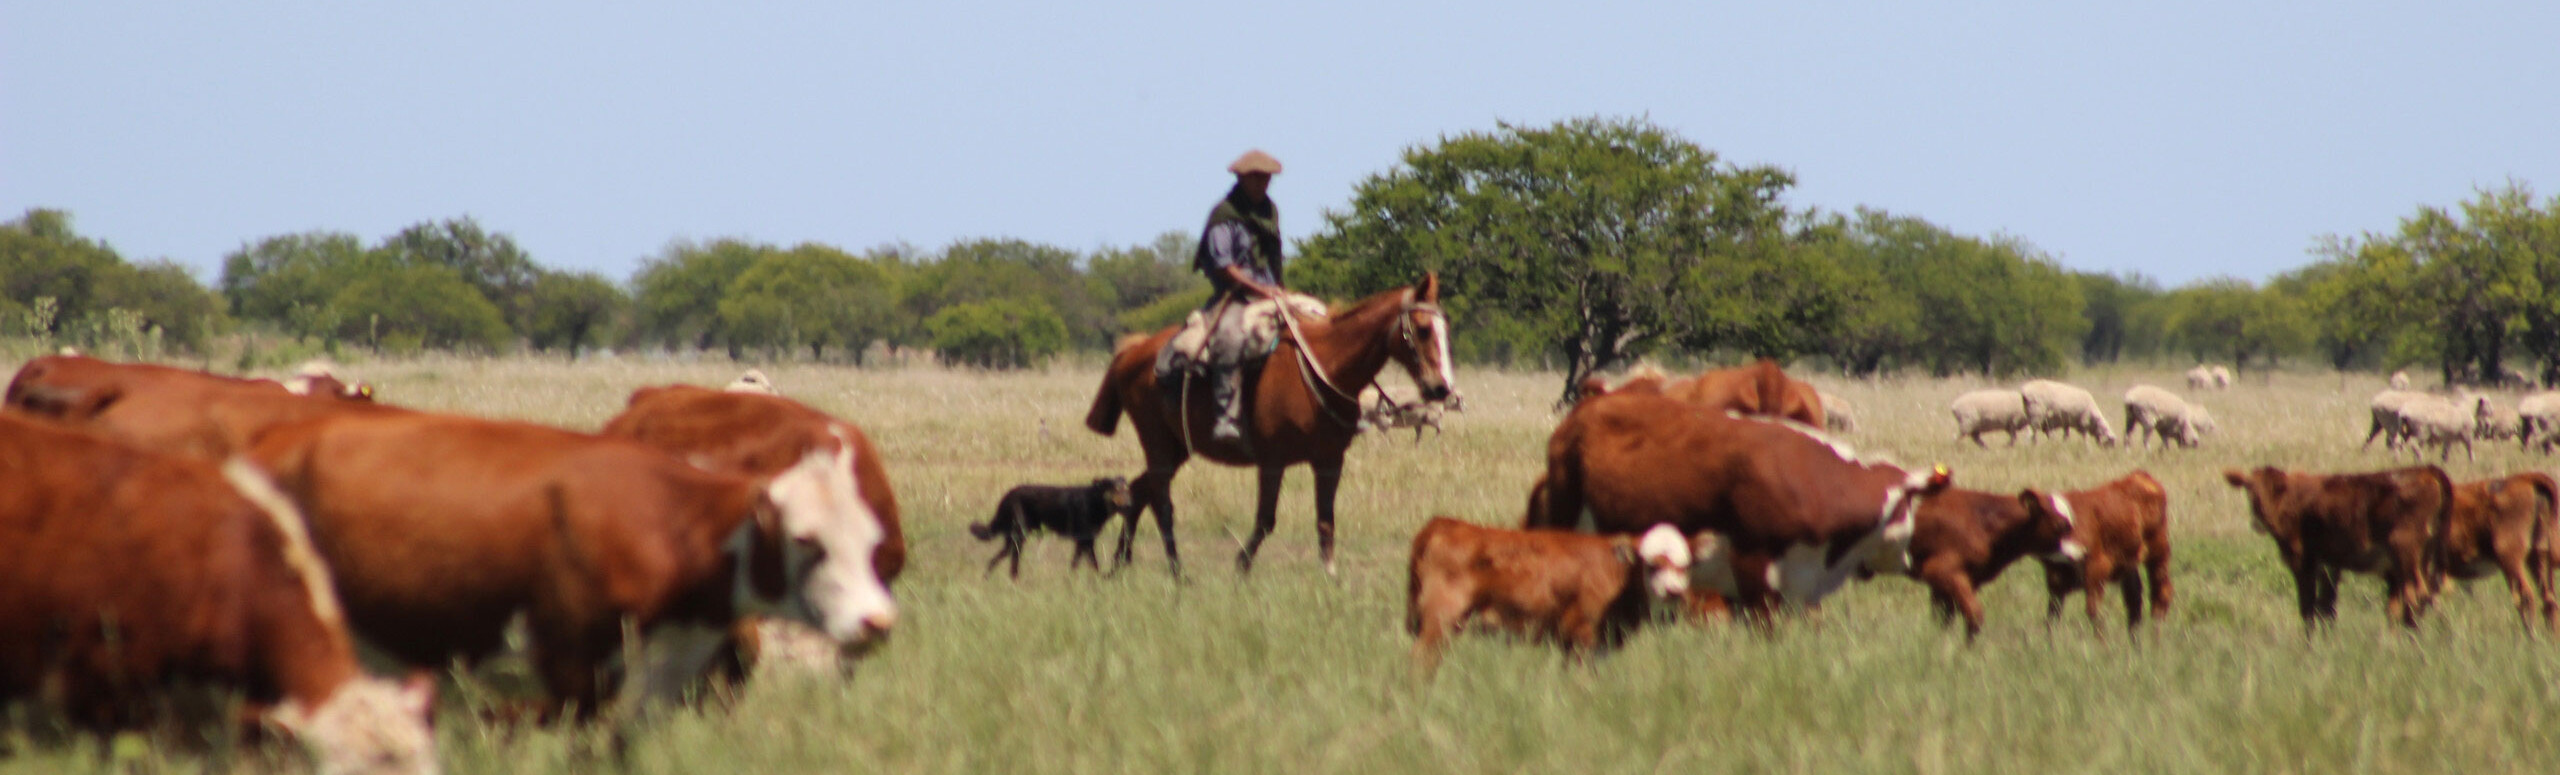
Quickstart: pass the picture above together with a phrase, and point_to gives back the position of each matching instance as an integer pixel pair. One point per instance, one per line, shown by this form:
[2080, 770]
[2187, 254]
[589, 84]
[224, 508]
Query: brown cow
[1583, 592]
[124, 573]
[1761, 388]
[2124, 525]
[442, 528]
[1962, 539]
[1797, 513]
[2385, 523]
[160, 408]
[757, 434]
[2506, 525]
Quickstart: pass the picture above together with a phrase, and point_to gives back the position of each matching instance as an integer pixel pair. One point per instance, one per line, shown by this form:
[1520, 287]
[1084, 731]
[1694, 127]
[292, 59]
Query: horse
[1304, 408]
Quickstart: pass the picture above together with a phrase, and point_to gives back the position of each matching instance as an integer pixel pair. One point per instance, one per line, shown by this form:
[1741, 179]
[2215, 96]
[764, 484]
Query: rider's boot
[1222, 391]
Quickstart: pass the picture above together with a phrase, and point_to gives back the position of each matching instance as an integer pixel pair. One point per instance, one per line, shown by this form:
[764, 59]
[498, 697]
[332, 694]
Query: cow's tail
[260, 491]
[2546, 523]
[2433, 574]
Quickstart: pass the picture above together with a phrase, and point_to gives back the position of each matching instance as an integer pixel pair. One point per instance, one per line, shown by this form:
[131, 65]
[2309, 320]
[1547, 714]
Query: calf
[124, 573]
[2385, 523]
[1079, 513]
[441, 529]
[1962, 539]
[2124, 527]
[1583, 592]
[2506, 525]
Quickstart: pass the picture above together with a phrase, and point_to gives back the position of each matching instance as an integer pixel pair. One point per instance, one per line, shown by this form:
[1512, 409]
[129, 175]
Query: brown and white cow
[125, 573]
[760, 433]
[1761, 388]
[1582, 592]
[442, 528]
[2124, 527]
[2506, 525]
[161, 408]
[2385, 523]
[1962, 539]
[1797, 514]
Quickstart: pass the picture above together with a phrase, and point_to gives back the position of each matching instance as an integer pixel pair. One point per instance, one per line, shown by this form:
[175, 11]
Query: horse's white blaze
[1440, 342]
[260, 491]
[821, 501]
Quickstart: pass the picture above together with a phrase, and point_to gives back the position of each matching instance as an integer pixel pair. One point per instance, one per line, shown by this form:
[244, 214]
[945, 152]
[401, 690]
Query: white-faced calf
[1584, 592]
[2124, 527]
[1962, 539]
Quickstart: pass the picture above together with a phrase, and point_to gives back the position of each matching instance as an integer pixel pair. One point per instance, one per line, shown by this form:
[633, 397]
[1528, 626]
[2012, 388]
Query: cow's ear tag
[1939, 475]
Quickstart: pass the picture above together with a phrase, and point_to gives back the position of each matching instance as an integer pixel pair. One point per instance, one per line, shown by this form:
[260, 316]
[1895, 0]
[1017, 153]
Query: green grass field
[1293, 671]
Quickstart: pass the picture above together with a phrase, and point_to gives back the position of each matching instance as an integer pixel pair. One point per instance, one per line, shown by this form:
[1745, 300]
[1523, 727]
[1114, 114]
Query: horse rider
[1240, 252]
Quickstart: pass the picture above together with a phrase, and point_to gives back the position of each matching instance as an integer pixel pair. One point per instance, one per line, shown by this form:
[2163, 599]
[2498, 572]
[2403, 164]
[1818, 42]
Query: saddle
[1253, 333]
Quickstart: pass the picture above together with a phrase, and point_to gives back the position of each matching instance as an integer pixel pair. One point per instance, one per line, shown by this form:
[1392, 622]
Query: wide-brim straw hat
[1255, 161]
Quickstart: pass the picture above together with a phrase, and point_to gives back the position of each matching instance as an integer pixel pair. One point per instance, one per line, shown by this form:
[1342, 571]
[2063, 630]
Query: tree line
[1582, 246]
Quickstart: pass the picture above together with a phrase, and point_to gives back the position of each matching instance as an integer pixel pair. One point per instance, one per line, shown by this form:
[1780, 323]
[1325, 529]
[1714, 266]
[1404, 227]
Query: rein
[1312, 371]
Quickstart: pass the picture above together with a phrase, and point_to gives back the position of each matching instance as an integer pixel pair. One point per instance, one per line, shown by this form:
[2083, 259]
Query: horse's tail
[1104, 417]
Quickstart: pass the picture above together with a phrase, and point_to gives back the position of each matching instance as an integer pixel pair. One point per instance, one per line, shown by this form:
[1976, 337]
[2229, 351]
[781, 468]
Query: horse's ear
[1429, 288]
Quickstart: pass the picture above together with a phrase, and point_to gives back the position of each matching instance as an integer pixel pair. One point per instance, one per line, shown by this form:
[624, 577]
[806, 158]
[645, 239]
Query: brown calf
[2506, 525]
[1583, 592]
[2385, 523]
[2124, 526]
[442, 528]
[1761, 388]
[1962, 539]
[124, 573]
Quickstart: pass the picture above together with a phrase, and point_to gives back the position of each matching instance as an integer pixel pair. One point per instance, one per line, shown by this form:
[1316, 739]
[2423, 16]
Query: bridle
[1313, 372]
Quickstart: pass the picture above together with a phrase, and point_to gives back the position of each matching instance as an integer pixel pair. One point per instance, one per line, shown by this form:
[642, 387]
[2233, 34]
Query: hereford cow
[1761, 388]
[1797, 513]
[2385, 523]
[1582, 592]
[160, 408]
[2507, 526]
[764, 435]
[1962, 539]
[443, 528]
[124, 574]
[2123, 526]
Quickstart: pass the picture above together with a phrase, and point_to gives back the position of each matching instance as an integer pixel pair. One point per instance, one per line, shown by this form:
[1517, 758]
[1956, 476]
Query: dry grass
[1291, 671]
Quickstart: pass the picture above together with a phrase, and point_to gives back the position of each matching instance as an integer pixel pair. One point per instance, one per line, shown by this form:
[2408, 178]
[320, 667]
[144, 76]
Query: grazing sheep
[1983, 411]
[2536, 416]
[2493, 422]
[1837, 415]
[2428, 421]
[2198, 378]
[2221, 378]
[754, 381]
[2385, 408]
[2400, 380]
[2163, 415]
[2058, 407]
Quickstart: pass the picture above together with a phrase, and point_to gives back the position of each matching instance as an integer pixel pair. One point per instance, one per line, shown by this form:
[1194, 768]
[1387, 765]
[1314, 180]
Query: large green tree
[573, 311]
[811, 296]
[1590, 241]
[676, 294]
[490, 262]
[86, 291]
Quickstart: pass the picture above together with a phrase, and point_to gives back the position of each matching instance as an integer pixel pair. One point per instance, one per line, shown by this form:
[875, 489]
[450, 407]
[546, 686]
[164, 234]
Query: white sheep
[2429, 421]
[754, 381]
[2493, 422]
[1837, 415]
[2221, 378]
[2057, 407]
[1984, 411]
[2165, 416]
[2400, 379]
[2198, 378]
[2385, 409]
[2538, 417]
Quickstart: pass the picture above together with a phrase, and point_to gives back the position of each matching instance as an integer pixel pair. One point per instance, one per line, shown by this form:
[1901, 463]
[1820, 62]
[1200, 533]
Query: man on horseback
[1240, 252]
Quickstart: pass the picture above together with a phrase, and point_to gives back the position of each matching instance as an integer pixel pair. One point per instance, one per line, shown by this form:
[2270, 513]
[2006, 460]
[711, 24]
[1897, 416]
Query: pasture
[1292, 671]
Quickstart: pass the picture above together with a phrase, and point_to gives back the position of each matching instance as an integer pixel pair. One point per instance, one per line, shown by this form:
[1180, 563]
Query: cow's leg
[2156, 565]
[2129, 584]
[1942, 607]
[1947, 579]
[1758, 600]
[2511, 564]
[2059, 579]
[2096, 572]
[2306, 591]
[1266, 512]
[1328, 482]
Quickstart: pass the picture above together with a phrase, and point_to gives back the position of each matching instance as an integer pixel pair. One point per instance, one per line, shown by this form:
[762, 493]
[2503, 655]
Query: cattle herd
[165, 528]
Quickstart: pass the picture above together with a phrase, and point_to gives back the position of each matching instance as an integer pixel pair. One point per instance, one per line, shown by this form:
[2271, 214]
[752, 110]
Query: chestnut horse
[1297, 414]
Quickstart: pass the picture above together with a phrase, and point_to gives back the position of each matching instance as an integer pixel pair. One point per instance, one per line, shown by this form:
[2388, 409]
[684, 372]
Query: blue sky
[2181, 140]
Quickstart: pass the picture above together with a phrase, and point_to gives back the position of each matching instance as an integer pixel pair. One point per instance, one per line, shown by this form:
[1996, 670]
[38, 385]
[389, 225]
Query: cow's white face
[821, 503]
[369, 726]
[2071, 550]
[1666, 557]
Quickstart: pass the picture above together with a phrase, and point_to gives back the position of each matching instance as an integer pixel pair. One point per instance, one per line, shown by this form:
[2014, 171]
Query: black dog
[1078, 513]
